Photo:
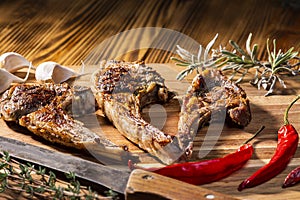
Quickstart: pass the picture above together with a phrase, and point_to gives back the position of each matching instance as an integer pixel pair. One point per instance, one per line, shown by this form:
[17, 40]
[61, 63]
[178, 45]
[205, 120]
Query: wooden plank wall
[67, 32]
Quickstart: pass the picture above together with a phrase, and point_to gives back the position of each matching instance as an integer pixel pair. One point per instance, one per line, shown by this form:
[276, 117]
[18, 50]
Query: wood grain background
[68, 31]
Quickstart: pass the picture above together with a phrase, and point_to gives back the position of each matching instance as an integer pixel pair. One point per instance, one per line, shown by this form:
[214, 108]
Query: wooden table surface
[68, 32]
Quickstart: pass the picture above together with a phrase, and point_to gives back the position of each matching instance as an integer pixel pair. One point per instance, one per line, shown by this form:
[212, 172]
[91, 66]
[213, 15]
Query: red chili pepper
[292, 178]
[202, 172]
[286, 147]
[207, 171]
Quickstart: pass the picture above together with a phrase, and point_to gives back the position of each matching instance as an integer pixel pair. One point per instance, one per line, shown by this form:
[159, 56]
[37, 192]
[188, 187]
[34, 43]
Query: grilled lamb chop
[45, 110]
[122, 90]
[22, 99]
[55, 125]
[210, 92]
[52, 123]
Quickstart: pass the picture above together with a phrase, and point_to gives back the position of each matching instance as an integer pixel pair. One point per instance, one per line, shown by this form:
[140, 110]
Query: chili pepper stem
[286, 121]
[255, 134]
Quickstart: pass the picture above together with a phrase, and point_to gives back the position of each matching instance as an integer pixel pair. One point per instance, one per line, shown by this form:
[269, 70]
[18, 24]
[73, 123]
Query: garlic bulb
[12, 62]
[53, 71]
[6, 78]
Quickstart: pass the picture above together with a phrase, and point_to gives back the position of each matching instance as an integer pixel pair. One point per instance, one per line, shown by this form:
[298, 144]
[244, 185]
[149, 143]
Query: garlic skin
[7, 78]
[12, 62]
[53, 71]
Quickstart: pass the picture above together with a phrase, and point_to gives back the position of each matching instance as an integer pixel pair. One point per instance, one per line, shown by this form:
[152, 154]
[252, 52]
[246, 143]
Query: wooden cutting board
[267, 111]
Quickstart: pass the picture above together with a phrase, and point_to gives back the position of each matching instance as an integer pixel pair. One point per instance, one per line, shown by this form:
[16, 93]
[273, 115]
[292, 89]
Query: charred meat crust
[211, 91]
[122, 90]
[124, 77]
[46, 111]
[117, 77]
[22, 99]
[53, 124]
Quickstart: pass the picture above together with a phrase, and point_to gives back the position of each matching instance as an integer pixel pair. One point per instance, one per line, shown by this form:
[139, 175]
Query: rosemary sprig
[240, 61]
[278, 62]
[36, 182]
[193, 62]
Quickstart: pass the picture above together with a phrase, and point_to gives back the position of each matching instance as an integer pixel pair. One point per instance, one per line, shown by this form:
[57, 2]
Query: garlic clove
[7, 78]
[53, 71]
[12, 62]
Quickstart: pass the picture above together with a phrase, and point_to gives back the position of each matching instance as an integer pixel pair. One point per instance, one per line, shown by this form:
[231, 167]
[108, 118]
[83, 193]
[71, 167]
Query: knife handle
[148, 185]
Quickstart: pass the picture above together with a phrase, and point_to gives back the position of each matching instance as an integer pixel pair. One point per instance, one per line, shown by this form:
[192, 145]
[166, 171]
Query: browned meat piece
[211, 92]
[55, 125]
[47, 111]
[122, 90]
[52, 123]
[22, 99]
